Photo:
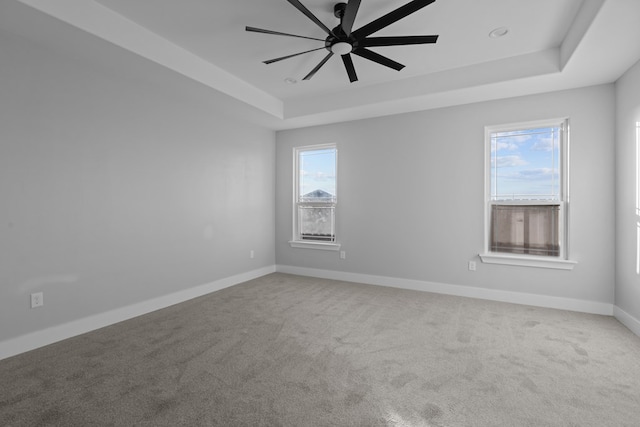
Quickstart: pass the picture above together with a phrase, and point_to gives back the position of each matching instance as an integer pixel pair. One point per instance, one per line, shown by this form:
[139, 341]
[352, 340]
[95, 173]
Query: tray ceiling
[551, 45]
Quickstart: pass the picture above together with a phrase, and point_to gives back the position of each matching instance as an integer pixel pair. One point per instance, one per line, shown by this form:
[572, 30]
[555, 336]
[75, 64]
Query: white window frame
[296, 241]
[555, 262]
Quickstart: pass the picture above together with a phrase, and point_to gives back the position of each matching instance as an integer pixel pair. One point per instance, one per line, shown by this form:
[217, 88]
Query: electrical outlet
[472, 266]
[252, 254]
[37, 300]
[343, 255]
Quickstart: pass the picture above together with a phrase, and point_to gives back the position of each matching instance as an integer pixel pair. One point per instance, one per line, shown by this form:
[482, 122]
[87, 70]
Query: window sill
[528, 261]
[315, 245]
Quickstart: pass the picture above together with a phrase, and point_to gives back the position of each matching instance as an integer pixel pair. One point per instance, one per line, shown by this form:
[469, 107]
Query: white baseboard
[627, 320]
[457, 290]
[57, 333]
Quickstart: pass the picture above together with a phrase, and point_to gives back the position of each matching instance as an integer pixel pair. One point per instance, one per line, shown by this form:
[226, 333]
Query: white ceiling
[551, 45]
[215, 32]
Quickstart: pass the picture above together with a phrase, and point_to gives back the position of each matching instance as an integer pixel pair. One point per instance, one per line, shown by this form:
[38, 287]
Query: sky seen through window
[318, 171]
[525, 164]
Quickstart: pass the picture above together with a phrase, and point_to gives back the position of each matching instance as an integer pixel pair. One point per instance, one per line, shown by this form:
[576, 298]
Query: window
[315, 197]
[527, 194]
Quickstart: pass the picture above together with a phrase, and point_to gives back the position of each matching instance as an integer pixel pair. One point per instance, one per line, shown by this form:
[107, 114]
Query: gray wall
[628, 116]
[119, 181]
[410, 195]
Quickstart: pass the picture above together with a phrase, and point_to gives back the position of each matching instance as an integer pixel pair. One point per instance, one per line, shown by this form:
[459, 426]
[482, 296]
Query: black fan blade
[376, 57]
[350, 16]
[390, 18]
[315, 70]
[351, 70]
[311, 16]
[396, 41]
[277, 33]
[271, 61]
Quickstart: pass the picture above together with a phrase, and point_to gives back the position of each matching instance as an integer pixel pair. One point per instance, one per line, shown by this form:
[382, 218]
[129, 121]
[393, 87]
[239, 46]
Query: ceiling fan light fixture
[341, 48]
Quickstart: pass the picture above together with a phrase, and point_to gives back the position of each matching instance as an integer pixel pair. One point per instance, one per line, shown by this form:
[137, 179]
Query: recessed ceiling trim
[102, 22]
[508, 69]
[581, 24]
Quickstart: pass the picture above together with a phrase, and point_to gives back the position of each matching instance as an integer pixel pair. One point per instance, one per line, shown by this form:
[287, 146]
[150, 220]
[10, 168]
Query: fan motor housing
[340, 39]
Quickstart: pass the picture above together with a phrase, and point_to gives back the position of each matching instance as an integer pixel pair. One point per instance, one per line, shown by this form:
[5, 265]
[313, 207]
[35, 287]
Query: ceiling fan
[343, 41]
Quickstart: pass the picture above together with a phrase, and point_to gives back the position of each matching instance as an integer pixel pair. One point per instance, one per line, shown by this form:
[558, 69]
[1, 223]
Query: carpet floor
[286, 350]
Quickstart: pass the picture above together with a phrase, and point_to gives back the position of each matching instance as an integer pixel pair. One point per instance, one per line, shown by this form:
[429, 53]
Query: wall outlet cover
[37, 299]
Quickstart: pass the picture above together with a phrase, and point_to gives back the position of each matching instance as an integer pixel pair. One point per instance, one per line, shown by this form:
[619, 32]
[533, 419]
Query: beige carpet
[292, 351]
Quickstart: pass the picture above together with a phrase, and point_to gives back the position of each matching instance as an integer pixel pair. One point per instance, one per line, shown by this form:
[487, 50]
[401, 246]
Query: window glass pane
[316, 194]
[525, 164]
[532, 230]
[317, 175]
[317, 223]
